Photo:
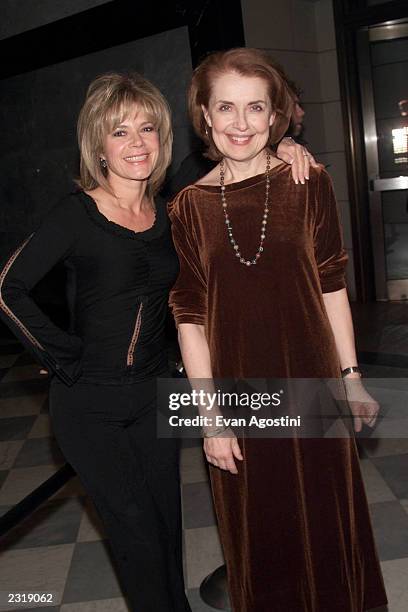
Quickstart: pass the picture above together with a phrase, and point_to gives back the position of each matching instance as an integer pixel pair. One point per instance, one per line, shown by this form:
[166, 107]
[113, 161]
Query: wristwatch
[351, 369]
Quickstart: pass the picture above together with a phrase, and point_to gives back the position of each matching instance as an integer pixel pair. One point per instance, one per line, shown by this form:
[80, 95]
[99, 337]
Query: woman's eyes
[145, 128]
[255, 107]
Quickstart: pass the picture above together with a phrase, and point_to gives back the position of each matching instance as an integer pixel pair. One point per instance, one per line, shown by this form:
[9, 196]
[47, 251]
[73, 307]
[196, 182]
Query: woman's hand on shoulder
[298, 157]
[221, 451]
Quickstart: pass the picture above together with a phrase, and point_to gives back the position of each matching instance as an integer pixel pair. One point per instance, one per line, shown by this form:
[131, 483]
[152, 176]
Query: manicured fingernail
[303, 182]
[307, 178]
[296, 181]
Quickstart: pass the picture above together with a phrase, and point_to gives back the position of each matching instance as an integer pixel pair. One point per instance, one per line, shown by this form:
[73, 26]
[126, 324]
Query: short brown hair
[109, 99]
[246, 62]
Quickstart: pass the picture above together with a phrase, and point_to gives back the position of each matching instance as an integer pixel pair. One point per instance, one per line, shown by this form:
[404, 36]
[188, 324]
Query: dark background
[39, 109]
[44, 81]
[53, 51]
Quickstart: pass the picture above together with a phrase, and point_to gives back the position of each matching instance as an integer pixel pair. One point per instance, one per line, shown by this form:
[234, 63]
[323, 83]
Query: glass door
[383, 73]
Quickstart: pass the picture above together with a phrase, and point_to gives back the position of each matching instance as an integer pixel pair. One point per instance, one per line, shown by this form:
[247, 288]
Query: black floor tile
[91, 575]
[24, 387]
[394, 470]
[196, 603]
[39, 451]
[3, 476]
[46, 405]
[198, 508]
[53, 523]
[16, 428]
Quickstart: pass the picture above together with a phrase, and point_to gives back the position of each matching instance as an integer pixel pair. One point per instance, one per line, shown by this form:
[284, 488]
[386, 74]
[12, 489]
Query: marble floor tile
[15, 428]
[23, 372]
[394, 470]
[390, 524]
[193, 465]
[53, 523]
[42, 427]
[73, 488]
[376, 488]
[118, 604]
[8, 453]
[203, 554]
[395, 574]
[91, 527]
[22, 481]
[39, 451]
[198, 510]
[91, 575]
[38, 570]
[383, 447]
[196, 603]
[21, 406]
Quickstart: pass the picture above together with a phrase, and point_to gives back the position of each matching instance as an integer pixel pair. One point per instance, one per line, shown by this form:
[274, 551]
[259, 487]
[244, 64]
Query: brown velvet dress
[294, 523]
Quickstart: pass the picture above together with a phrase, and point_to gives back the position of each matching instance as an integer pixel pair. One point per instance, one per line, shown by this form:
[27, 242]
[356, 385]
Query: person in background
[296, 124]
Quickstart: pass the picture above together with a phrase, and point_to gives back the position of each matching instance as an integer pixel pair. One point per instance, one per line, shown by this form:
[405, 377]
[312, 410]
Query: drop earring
[103, 163]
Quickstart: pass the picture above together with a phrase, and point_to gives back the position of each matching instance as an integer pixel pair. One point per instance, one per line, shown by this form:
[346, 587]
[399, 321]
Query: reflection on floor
[60, 549]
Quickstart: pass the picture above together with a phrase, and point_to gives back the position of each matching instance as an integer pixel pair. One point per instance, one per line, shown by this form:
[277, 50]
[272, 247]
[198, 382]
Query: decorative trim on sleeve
[4, 306]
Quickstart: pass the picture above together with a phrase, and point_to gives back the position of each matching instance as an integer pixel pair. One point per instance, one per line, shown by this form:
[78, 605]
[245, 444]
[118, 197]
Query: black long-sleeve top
[117, 288]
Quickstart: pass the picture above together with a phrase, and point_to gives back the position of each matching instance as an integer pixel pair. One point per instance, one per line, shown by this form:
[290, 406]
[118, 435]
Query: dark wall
[21, 15]
[38, 112]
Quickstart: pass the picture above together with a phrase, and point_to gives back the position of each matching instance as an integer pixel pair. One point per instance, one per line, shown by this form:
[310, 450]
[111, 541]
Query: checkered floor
[61, 548]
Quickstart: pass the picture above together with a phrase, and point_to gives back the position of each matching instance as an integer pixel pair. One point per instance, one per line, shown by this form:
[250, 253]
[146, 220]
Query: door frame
[349, 17]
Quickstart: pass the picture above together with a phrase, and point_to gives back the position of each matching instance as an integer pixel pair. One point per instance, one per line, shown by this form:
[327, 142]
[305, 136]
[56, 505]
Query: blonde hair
[109, 100]
[246, 62]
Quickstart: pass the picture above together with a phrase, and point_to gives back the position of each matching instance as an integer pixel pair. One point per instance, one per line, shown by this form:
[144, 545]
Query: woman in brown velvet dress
[261, 293]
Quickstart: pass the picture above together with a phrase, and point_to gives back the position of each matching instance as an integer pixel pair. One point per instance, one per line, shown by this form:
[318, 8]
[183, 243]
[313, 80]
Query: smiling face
[131, 149]
[239, 114]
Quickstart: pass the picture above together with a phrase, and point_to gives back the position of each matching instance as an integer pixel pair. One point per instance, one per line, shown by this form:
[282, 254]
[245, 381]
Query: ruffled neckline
[106, 224]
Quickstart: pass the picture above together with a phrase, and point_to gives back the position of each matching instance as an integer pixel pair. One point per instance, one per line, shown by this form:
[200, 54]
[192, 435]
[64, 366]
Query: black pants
[108, 434]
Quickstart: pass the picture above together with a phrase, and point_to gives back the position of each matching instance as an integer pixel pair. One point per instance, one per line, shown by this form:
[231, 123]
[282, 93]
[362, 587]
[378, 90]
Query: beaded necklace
[234, 243]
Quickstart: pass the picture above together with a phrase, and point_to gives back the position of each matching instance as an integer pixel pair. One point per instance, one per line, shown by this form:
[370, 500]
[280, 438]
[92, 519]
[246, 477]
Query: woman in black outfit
[114, 239]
